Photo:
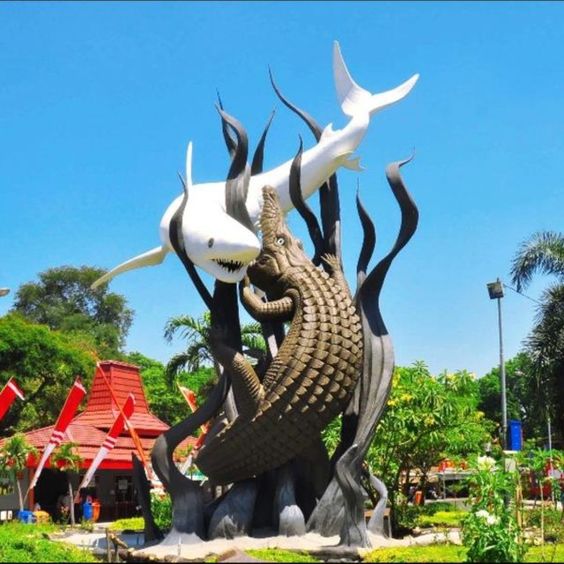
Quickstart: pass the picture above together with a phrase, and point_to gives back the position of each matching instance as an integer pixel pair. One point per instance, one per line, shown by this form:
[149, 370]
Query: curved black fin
[229, 140]
[368, 241]
[311, 123]
[258, 157]
[238, 177]
[372, 284]
[328, 192]
[303, 209]
[177, 242]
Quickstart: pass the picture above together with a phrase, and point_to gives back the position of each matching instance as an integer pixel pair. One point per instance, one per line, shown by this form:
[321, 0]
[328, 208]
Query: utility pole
[495, 290]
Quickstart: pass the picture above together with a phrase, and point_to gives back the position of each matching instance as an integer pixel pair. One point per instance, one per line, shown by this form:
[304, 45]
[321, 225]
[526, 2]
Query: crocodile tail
[355, 99]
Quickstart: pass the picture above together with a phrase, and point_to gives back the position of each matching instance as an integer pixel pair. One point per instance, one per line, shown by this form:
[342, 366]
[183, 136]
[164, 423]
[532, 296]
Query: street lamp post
[495, 290]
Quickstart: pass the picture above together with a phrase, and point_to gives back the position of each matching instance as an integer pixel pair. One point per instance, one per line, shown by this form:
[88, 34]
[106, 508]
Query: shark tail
[150, 258]
[355, 99]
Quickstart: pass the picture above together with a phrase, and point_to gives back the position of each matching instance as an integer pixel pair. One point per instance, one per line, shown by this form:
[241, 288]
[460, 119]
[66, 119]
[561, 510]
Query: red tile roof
[89, 428]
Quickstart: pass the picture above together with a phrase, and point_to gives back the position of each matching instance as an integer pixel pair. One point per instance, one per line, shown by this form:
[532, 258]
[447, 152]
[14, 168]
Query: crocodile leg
[336, 271]
[276, 310]
[247, 389]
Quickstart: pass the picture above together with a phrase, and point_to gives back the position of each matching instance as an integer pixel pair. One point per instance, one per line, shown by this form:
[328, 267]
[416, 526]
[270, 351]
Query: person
[63, 506]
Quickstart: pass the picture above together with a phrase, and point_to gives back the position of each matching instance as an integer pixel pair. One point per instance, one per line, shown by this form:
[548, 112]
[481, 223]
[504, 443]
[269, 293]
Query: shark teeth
[230, 265]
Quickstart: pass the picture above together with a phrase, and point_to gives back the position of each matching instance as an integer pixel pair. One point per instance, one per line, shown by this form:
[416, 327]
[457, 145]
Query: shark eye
[280, 241]
[210, 242]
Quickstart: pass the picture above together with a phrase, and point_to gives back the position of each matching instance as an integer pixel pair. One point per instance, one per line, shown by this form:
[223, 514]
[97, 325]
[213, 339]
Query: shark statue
[220, 244]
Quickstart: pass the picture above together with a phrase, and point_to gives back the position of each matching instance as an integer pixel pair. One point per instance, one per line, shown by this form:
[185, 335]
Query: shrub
[161, 507]
[490, 531]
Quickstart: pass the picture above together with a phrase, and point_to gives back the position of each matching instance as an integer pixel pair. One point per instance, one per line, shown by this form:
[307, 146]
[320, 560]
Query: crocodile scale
[311, 379]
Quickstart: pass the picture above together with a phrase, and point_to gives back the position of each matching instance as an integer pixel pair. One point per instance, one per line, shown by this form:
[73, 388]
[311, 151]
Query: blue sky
[98, 102]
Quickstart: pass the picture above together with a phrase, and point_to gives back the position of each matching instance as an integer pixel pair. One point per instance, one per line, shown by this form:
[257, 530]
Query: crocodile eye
[280, 241]
[211, 242]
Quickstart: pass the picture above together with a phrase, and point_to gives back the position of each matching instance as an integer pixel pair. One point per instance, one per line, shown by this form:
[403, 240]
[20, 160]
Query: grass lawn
[442, 519]
[25, 543]
[454, 553]
[131, 523]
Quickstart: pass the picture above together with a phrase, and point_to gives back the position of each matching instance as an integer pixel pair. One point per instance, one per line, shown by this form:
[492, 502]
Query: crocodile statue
[311, 379]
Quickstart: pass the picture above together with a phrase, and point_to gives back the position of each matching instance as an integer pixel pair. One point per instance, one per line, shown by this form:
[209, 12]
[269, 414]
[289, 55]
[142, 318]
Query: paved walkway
[191, 547]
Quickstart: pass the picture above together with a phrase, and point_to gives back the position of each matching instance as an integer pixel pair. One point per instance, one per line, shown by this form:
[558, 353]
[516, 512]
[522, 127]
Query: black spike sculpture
[327, 495]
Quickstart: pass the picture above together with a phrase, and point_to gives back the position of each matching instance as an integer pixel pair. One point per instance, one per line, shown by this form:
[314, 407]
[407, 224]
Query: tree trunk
[19, 487]
[71, 501]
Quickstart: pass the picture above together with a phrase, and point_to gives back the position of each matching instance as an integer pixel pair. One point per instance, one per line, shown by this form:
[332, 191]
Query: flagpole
[130, 428]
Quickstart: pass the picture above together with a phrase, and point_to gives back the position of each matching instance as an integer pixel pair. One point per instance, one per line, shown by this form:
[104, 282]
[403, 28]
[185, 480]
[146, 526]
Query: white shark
[222, 246]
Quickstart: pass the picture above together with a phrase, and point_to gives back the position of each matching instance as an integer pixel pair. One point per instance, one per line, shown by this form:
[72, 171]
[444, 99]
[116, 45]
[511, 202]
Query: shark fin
[351, 164]
[327, 133]
[355, 99]
[150, 258]
[189, 167]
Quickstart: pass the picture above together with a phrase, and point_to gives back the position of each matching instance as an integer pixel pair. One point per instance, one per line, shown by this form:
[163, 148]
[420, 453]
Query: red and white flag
[74, 398]
[111, 439]
[190, 398]
[8, 395]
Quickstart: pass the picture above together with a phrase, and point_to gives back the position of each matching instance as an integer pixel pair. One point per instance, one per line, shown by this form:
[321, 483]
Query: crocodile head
[282, 254]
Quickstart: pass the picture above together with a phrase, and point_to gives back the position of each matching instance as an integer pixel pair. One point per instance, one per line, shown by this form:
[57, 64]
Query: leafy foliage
[196, 332]
[62, 299]
[128, 523]
[165, 400]
[161, 508]
[67, 459]
[431, 553]
[45, 364]
[543, 252]
[14, 454]
[280, 555]
[490, 531]
[427, 419]
[523, 396]
[24, 543]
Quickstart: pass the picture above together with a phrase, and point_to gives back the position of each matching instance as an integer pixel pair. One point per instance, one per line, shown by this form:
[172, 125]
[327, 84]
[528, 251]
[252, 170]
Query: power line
[522, 294]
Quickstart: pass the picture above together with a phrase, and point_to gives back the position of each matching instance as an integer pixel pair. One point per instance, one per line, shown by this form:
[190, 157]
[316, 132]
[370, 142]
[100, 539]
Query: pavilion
[112, 484]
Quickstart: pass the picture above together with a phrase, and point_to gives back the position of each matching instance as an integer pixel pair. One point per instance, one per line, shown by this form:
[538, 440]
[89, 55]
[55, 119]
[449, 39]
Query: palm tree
[67, 459]
[542, 252]
[198, 353]
[14, 454]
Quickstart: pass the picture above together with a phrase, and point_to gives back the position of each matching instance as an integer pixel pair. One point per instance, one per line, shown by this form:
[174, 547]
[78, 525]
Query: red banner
[110, 440]
[125, 413]
[74, 398]
[8, 395]
[190, 398]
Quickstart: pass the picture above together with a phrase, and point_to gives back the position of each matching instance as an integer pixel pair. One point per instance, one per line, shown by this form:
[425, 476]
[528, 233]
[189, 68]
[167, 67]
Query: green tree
[165, 400]
[543, 253]
[14, 454]
[196, 331]
[524, 400]
[67, 459]
[63, 300]
[45, 364]
[427, 419]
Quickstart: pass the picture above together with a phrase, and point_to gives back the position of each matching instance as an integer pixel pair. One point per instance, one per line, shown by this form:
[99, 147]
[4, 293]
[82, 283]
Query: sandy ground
[192, 547]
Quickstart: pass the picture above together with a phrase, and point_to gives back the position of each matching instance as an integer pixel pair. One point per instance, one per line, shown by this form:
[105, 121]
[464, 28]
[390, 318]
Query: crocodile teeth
[230, 265]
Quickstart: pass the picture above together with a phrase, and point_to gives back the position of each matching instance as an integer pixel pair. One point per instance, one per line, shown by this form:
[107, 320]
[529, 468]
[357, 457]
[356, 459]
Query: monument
[334, 358]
